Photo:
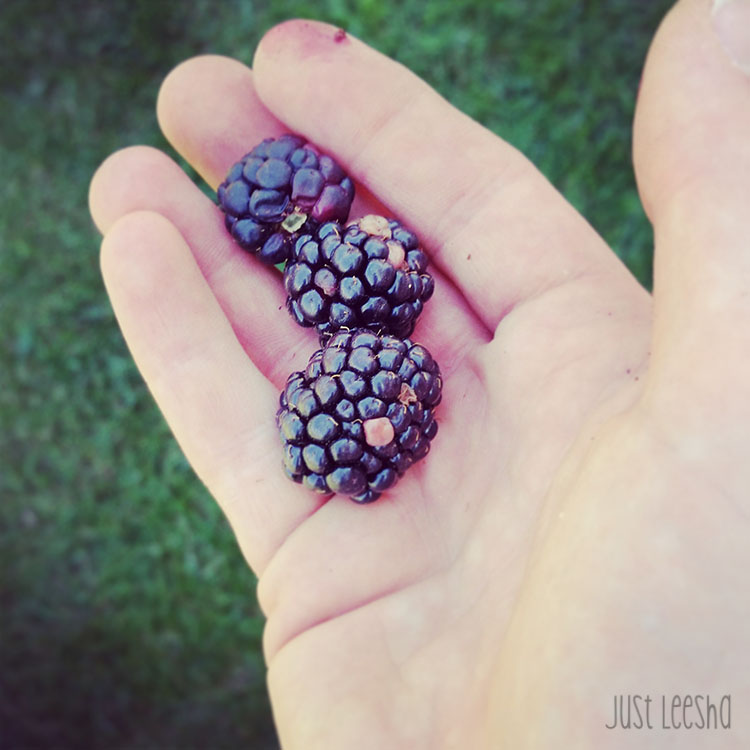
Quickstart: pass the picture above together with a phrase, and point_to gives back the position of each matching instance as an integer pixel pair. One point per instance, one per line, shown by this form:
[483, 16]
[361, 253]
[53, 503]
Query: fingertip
[177, 90]
[306, 55]
[128, 248]
[208, 109]
[300, 36]
[102, 185]
[117, 187]
[188, 70]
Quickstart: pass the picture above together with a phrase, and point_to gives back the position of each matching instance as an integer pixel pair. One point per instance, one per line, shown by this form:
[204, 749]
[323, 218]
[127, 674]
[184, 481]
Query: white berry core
[375, 225]
[378, 431]
[396, 254]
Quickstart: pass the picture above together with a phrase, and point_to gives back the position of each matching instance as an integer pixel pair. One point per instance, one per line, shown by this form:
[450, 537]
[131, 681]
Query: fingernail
[732, 24]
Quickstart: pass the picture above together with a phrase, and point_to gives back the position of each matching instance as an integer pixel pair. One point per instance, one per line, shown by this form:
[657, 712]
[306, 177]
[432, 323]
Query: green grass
[128, 617]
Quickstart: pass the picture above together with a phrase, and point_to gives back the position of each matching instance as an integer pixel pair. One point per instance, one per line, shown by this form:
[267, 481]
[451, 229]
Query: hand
[580, 528]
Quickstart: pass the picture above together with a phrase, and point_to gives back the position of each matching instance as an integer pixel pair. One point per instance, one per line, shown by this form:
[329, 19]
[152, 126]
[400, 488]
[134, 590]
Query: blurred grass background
[128, 618]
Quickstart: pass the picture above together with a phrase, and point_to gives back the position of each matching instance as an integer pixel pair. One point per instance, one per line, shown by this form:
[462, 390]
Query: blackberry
[284, 186]
[359, 415]
[370, 274]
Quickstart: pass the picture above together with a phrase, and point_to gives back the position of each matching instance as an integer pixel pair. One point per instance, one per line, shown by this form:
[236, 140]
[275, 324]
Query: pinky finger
[218, 404]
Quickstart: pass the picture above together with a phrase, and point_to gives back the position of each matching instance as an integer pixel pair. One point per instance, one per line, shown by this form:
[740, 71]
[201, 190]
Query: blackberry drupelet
[370, 274]
[359, 415]
[283, 187]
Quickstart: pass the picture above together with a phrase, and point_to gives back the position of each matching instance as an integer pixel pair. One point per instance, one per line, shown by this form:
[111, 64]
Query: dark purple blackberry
[370, 274]
[282, 188]
[359, 415]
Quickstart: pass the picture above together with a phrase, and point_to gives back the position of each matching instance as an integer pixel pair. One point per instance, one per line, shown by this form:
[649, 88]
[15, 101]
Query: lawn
[128, 617]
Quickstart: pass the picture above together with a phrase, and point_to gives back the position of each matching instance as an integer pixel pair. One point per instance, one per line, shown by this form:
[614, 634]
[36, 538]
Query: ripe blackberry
[284, 186]
[359, 415]
[370, 274]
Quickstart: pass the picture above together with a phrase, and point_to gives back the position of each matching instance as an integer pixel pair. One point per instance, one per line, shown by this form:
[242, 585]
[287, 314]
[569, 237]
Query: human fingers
[218, 404]
[251, 295]
[209, 111]
[491, 220]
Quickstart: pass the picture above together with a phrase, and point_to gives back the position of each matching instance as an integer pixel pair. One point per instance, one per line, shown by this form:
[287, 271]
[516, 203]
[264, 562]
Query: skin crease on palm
[580, 529]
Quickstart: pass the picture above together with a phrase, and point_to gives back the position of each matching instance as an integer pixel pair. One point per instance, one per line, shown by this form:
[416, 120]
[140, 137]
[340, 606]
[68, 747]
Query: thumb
[692, 161]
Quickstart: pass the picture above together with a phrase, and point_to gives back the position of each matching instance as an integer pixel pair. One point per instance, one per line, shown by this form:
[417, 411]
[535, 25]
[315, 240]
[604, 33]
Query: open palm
[558, 546]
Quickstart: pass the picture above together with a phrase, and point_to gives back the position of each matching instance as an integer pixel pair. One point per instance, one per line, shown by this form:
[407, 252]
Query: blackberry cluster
[281, 188]
[369, 274]
[360, 414]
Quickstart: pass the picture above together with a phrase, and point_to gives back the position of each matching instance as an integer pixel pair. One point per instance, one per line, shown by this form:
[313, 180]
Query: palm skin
[577, 529]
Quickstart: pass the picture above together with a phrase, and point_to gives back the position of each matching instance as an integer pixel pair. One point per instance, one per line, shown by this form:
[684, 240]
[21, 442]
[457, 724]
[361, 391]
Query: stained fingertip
[304, 37]
[335, 55]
